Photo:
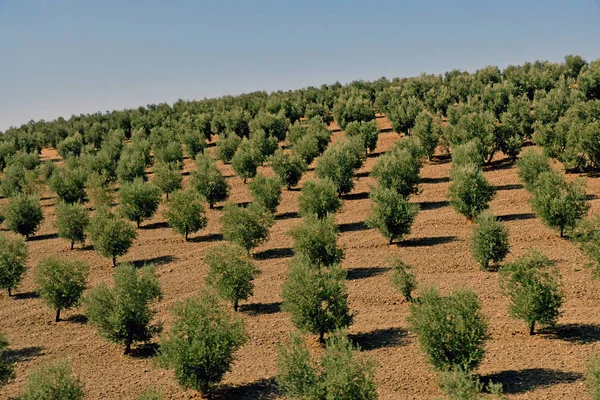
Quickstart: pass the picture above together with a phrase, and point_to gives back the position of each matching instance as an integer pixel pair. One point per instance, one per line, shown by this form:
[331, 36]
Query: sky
[65, 57]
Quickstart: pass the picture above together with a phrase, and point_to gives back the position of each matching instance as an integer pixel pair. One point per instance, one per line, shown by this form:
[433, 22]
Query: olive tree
[367, 132]
[139, 200]
[24, 215]
[319, 198]
[391, 213]
[289, 168]
[231, 273]
[266, 192]
[72, 221]
[246, 160]
[61, 282]
[185, 213]
[398, 170]
[227, 146]
[531, 165]
[532, 286]
[51, 381]
[317, 240]
[339, 163]
[112, 236]
[427, 132]
[201, 345]
[247, 227]
[587, 234]
[489, 240]
[469, 192]
[122, 314]
[7, 368]
[402, 278]
[167, 177]
[69, 184]
[208, 181]
[13, 256]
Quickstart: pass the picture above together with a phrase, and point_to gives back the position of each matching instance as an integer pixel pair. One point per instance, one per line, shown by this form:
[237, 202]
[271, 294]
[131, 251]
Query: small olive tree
[316, 297]
[452, 330]
[587, 234]
[24, 215]
[367, 132]
[340, 374]
[231, 273]
[266, 192]
[167, 178]
[592, 377]
[246, 160]
[139, 200]
[391, 213]
[122, 313]
[53, 381]
[402, 278]
[61, 282]
[289, 168]
[319, 198]
[398, 170]
[7, 368]
[559, 204]
[208, 181]
[247, 227]
[489, 240]
[13, 256]
[469, 192]
[531, 164]
[317, 240]
[112, 236]
[532, 286]
[201, 345]
[185, 213]
[72, 221]
[339, 163]
[227, 145]
[69, 184]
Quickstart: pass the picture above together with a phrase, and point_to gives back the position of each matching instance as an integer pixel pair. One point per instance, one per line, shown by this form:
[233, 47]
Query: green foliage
[460, 385]
[398, 170]
[61, 282]
[531, 165]
[368, 132]
[402, 278]
[99, 191]
[53, 381]
[592, 377]
[355, 108]
[427, 132]
[71, 146]
[72, 221]
[150, 394]
[17, 180]
[208, 181]
[247, 227]
[466, 154]
[339, 163]
[122, 313]
[315, 297]
[469, 192]
[246, 160]
[587, 234]
[202, 342]
[7, 368]
[263, 145]
[274, 125]
[13, 256]
[340, 375]
[391, 213]
[489, 240]
[317, 240]
[185, 213]
[306, 148]
[169, 153]
[589, 80]
[404, 114]
[112, 236]
[482, 127]
[47, 169]
[69, 184]
[139, 200]
[231, 273]
[532, 286]
[132, 164]
[319, 198]
[452, 330]
[195, 143]
[289, 168]
[24, 215]
[559, 204]
[227, 146]
[266, 192]
[167, 177]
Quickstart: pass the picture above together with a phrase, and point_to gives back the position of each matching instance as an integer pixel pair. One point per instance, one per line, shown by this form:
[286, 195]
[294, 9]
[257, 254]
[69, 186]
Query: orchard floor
[547, 365]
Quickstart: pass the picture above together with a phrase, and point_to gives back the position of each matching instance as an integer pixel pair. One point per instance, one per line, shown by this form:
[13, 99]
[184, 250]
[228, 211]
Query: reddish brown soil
[549, 365]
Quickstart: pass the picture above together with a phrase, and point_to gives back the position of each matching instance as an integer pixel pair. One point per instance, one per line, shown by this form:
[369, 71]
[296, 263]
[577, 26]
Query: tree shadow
[294, 189]
[271, 254]
[516, 217]
[356, 196]
[525, 380]
[146, 350]
[261, 308]
[263, 389]
[287, 215]
[441, 179]
[499, 165]
[441, 159]
[377, 153]
[433, 205]
[77, 319]
[24, 354]
[212, 237]
[576, 333]
[26, 296]
[243, 204]
[353, 227]
[380, 338]
[511, 186]
[590, 197]
[364, 174]
[156, 261]
[427, 241]
[363, 273]
[155, 225]
[386, 130]
[43, 237]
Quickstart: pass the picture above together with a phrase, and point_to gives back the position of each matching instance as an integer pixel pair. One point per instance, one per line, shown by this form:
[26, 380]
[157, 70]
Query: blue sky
[64, 57]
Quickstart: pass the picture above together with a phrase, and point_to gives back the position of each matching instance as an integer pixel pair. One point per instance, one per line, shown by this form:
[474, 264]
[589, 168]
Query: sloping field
[548, 365]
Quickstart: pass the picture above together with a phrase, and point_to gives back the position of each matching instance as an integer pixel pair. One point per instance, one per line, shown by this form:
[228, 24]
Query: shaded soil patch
[362, 273]
[525, 380]
[353, 227]
[261, 308]
[380, 338]
[270, 254]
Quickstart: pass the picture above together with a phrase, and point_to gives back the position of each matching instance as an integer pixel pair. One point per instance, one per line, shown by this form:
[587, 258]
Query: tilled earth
[546, 365]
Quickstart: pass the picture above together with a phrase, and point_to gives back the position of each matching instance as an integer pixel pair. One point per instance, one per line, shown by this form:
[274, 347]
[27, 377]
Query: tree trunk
[138, 223]
[9, 292]
[72, 244]
[211, 206]
[128, 348]
[114, 261]
[167, 195]
[235, 305]
[244, 181]
[391, 240]
[562, 232]
[532, 328]
[322, 337]
[57, 315]
[186, 235]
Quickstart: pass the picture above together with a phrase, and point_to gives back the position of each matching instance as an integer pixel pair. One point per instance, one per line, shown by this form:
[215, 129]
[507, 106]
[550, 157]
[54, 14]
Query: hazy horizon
[73, 57]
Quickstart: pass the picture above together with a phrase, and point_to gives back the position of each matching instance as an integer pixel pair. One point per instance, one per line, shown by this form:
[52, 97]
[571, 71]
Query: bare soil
[546, 365]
